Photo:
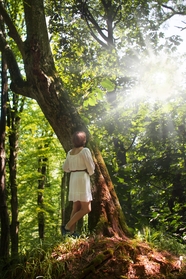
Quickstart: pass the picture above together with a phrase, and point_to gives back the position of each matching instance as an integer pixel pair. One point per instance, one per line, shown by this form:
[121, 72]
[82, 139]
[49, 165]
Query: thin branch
[87, 15]
[90, 17]
[94, 35]
[181, 28]
[165, 19]
[120, 16]
[173, 10]
[131, 143]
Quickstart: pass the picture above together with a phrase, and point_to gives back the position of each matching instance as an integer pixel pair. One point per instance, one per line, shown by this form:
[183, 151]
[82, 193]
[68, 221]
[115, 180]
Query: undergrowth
[52, 260]
[162, 241]
[43, 261]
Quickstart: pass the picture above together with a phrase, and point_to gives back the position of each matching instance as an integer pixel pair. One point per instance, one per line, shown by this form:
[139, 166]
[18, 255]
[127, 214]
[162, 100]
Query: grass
[67, 257]
[162, 241]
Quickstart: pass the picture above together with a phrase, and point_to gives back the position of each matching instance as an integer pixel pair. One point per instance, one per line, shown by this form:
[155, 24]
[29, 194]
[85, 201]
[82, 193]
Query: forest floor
[116, 258]
[98, 257]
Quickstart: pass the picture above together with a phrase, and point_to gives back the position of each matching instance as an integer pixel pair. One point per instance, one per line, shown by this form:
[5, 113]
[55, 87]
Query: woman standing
[80, 164]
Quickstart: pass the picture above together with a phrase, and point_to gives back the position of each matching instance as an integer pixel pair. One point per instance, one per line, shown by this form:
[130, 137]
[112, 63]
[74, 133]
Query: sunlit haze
[161, 75]
[159, 78]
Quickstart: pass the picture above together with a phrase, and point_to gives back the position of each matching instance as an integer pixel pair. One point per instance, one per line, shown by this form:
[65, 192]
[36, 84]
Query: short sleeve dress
[79, 185]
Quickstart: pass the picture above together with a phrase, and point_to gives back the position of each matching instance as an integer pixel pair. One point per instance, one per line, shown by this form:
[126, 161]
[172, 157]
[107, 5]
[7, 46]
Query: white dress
[79, 185]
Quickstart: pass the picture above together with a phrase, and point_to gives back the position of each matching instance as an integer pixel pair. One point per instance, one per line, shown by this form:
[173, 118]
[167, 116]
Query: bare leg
[76, 207]
[84, 209]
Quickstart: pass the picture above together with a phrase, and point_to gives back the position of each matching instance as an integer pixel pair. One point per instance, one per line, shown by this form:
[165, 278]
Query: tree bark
[5, 232]
[13, 140]
[13, 121]
[44, 85]
[41, 184]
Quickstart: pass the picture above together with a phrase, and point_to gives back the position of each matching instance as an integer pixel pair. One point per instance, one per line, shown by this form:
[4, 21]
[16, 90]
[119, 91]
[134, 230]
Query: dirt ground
[114, 258]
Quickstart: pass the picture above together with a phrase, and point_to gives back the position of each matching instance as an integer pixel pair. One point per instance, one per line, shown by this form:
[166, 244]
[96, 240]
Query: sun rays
[159, 78]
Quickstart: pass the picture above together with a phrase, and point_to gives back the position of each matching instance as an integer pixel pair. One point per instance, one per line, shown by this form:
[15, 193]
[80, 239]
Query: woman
[80, 164]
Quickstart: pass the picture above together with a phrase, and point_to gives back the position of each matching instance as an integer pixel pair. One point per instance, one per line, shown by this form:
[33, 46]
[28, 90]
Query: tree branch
[87, 15]
[94, 35]
[12, 30]
[173, 10]
[18, 85]
[116, 13]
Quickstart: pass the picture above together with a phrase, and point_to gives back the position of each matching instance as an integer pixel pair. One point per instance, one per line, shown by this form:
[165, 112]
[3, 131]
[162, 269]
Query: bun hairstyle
[79, 139]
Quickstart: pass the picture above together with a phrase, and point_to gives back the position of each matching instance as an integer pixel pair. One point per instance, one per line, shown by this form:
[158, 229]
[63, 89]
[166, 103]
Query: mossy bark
[107, 216]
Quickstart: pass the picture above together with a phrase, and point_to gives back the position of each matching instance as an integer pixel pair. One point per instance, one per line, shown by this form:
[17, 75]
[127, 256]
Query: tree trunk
[44, 85]
[107, 216]
[41, 184]
[13, 121]
[4, 241]
[14, 227]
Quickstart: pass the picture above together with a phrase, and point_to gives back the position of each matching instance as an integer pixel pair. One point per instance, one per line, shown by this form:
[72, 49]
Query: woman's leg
[75, 208]
[84, 209]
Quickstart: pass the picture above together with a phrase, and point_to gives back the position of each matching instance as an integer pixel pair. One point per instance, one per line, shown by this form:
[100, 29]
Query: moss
[88, 270]
[102, 257]
[123, 223]
[102, 224]
[98, 260]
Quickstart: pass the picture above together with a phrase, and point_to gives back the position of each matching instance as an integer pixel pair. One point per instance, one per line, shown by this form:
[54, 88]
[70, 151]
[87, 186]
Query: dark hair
[79, 139]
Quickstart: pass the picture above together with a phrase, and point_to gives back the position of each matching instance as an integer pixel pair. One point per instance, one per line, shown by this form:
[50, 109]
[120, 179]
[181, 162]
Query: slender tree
[4, 240]
[42, 169]
[14, 108]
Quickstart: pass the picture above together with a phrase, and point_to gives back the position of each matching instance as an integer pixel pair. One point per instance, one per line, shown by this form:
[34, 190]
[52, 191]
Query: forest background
[126, 80]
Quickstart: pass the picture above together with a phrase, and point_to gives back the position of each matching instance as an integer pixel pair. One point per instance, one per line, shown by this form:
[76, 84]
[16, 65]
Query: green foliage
[162, 241]
[37, 140]
[39, 261]
[143, 145]
[42, 264]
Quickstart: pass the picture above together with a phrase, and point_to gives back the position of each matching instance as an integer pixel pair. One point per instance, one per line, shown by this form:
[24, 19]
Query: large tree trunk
[44, 85]
[107, 215]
